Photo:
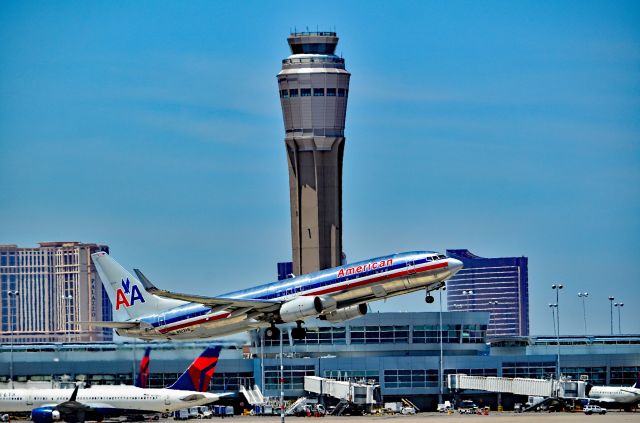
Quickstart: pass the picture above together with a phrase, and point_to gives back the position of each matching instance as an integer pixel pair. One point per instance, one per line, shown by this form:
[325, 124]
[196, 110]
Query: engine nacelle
[302, 307]
[44, 415]
[347, 313]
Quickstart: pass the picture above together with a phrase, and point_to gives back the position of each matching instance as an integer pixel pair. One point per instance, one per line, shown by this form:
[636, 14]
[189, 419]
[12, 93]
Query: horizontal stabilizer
[262, 305]
[114, 325]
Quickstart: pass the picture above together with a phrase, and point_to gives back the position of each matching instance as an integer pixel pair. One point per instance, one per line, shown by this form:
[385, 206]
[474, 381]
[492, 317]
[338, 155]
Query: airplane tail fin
[637, 384]
[200, 372]
[126, 292]
[143, 375]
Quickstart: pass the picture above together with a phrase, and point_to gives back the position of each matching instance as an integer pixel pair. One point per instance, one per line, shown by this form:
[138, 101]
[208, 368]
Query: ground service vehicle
[594, 409]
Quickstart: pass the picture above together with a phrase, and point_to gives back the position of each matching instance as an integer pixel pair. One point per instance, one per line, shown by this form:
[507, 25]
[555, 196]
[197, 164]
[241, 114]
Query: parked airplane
[99, 402]
[625, 397]
[335, 295]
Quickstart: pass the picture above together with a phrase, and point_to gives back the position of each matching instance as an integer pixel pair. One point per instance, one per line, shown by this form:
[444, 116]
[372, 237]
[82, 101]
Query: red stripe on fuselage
[195, 322]
[378, 279]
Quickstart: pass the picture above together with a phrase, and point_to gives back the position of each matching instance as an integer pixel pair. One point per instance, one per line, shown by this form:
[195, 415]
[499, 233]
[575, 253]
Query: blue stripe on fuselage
[298, 285]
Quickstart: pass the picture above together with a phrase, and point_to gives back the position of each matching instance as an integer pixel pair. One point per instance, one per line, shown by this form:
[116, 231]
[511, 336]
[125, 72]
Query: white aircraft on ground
[99, 402]
[624, 397]
[335, 295]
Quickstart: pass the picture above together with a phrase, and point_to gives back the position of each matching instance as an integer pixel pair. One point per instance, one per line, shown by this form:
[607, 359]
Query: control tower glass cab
[314, 88]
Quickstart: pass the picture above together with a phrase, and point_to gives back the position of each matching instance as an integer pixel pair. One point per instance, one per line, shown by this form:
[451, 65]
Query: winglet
[200, 372]
[75, 393]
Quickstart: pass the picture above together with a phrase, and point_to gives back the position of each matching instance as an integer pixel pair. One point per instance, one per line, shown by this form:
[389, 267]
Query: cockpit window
[442, 256]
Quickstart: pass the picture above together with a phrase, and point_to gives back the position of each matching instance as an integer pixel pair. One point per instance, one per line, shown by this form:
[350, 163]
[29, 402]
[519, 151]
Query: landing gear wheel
[429, 299]
[298, 333]
[272, 333]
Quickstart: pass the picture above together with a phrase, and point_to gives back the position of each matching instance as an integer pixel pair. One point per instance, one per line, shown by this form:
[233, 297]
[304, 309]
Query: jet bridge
[563, 389]
[359, 394]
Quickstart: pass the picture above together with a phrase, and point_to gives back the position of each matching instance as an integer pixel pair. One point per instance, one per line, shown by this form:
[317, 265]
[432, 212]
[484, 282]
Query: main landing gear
[299, 332]
[273, 333]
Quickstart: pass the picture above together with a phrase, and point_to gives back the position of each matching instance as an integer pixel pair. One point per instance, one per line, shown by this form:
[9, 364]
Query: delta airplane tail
[128, 293]
[200, 372]
[637, 384]
[143, 375]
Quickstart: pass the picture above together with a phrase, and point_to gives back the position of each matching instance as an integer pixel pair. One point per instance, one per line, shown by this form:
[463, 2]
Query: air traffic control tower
[314, 87]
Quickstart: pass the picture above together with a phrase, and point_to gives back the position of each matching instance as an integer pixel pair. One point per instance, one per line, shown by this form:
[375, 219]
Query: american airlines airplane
[335, 295]
[625, 397]
[99, 402]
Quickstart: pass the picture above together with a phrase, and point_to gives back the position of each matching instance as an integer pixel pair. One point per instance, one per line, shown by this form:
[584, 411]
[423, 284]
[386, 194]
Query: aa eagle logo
[134, 295]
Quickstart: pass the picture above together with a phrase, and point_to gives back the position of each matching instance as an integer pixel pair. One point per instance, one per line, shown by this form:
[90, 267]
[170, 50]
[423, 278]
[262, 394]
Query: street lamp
[619, 307]
[557, 288]
[441, 373]
[553, 316]
[584, 295]
[12, 294]
[611, 312]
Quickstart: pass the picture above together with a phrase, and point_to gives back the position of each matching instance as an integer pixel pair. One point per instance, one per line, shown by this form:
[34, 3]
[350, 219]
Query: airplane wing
[214, 302]
[193, 397]
[114, 325]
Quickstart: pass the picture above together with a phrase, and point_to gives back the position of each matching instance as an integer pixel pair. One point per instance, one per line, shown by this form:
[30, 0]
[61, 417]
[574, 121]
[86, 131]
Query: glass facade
[293, 376]
[497, 285]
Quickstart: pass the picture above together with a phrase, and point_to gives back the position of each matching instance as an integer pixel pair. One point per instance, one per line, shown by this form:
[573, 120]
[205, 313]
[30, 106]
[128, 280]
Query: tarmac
[504, 417]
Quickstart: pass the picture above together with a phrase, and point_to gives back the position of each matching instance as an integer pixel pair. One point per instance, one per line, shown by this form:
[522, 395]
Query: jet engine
[44, 415]
[347, 313]
[302, 307]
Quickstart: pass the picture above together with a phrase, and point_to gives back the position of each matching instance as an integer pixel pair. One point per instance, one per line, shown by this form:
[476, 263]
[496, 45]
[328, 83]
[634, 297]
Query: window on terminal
[318, 92]
[293, 93]
[305, 92]
[331, 92]
[340, 92]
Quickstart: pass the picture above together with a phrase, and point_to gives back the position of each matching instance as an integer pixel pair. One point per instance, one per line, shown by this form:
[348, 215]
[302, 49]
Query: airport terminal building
[398, 351]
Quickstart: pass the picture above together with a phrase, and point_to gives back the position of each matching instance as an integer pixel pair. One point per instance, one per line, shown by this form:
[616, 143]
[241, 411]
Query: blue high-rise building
[497, 285]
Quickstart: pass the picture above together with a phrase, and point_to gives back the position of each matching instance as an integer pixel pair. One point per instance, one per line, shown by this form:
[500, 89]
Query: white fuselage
[613, 394]
[107, 399]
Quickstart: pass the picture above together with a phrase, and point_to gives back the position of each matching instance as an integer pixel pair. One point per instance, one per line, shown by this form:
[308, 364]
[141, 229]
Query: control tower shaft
[314, 88]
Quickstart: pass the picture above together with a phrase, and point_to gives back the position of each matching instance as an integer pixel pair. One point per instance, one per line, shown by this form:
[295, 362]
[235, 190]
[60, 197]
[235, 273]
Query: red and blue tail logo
[133, 293]
[199, 374]
[143, 375]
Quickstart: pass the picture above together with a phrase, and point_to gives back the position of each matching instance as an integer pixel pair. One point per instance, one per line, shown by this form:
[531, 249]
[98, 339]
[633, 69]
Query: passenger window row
[317, 92]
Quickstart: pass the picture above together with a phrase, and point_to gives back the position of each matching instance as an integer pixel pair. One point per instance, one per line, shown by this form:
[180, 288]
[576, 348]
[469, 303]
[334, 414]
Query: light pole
[553, 316]
[13, 295]
[584, 295]
[557, 288]
[67, 300]
[619, 307]
[281, 379]
[611, 312]
[441, 375]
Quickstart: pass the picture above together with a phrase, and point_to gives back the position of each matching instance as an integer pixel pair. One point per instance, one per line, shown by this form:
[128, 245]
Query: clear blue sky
[509, 128]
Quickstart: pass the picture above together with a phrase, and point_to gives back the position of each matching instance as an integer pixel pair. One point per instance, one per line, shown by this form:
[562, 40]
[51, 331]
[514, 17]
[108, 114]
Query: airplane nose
[454, 264]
